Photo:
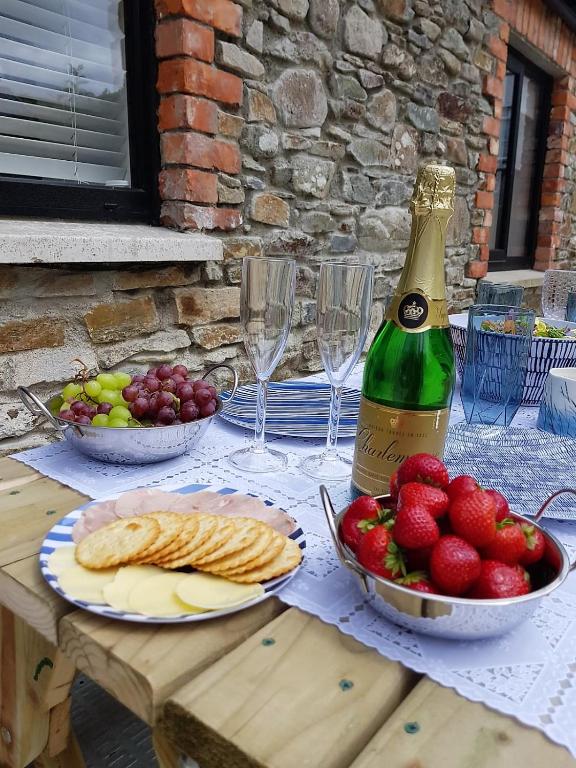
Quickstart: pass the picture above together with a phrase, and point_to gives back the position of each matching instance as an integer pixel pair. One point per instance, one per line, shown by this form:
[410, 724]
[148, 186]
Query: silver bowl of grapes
[131, 440]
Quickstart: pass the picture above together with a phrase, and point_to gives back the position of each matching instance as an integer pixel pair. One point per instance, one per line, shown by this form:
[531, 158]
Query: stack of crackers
[240, 549]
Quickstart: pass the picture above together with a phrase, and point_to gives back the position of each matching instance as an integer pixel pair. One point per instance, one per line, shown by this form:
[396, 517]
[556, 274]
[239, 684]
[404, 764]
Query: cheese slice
[204, 590]
[116, 593]
[61, 559]
[83, 584]
[156, 596]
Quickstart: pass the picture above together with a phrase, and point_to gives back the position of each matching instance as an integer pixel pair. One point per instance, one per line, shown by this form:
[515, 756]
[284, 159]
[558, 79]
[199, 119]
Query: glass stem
[332, 439]
[260, 426]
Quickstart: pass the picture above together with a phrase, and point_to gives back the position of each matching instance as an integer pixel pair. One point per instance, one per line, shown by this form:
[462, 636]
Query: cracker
[273, 547]
[119, 542]
[170, 526]
[288, 559]
[189, 529]
[211, 532]
[244, 532]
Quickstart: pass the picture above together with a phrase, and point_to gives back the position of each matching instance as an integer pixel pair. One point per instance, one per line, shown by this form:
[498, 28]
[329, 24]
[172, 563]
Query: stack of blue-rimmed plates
[294, 409]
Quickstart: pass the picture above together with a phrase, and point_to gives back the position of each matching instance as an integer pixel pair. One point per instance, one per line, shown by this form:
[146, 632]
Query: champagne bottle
[409, 374]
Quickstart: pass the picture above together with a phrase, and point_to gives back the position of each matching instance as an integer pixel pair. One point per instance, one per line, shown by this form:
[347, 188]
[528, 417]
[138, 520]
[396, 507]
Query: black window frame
[499, 259]
[42, 198]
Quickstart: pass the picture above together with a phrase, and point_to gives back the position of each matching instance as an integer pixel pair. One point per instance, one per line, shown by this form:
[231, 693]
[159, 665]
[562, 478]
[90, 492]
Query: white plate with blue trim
[60, 535]
[294, 409]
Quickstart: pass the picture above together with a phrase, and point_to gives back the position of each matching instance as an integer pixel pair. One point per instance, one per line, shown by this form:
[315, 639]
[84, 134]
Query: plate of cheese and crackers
[156, 556]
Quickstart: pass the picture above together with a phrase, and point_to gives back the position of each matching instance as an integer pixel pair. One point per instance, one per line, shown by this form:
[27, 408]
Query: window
[523, 132]
[78, 136]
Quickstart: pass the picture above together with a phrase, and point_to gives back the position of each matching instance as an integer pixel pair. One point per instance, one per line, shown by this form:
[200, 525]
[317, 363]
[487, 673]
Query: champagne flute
[266, 301]
[342, 320]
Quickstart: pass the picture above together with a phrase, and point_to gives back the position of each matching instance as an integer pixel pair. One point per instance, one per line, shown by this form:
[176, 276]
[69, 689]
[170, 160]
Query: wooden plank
[141, 665]
[59, 729]
[437, 728]
[71, 757]
[24, 591]
[28, 513]
[167, 755]
[61, 678]
[11, 470]
[297, 693]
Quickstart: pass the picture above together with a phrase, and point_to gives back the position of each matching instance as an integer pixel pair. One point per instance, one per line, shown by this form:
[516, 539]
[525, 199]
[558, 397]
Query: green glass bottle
[409, 374]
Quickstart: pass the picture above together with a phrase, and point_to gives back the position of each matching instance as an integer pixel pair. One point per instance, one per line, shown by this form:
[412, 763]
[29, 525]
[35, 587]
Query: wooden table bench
[269, 687]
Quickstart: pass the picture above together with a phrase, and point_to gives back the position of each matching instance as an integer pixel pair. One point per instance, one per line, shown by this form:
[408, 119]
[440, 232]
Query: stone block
[347, 87]
[312, 176]
[456, 151]
[41, 332]
[137, 278]
[300, 97]
[230, 125]
[214, 336]
[369, 152]
[453, 41]
[404, 151]
[255, 37]
[423, 118]
[323, 17]
[363, 35]
[260, 140]
[397, 10]
[260, 107]
[381, 110]
[379, 225]
[291, 242]
[122, 319]
[242, 247]
[151, 348]
[317, 222]
[454, 107]
[340, 243]
[206, 305]
[270, 209]
[232, 57]
[357, 188]
[294, 9]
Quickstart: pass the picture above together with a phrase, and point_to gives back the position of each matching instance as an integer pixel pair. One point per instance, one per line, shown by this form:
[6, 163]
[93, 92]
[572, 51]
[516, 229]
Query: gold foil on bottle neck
[434, 189]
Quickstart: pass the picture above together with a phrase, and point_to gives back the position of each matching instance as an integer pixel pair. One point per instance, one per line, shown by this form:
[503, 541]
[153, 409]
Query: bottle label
[386, 436]
[415, 312]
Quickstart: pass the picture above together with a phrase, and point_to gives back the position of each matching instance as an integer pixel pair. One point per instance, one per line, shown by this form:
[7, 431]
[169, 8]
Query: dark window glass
[522, 146]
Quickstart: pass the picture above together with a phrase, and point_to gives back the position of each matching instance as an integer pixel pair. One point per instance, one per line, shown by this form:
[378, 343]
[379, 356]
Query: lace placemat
[529, 673]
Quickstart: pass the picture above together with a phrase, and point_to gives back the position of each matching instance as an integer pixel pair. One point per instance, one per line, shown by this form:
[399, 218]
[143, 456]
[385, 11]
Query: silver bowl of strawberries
[450, 561]
[123, 418]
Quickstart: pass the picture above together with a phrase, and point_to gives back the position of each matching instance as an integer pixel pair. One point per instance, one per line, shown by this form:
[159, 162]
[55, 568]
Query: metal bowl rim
[542, 592]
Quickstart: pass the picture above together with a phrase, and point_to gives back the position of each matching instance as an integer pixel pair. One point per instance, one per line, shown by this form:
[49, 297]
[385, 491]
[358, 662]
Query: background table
[270, 686]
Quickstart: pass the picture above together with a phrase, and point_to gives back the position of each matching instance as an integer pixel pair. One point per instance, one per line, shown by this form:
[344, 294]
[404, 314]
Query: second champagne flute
[342, 320]
[266, 301]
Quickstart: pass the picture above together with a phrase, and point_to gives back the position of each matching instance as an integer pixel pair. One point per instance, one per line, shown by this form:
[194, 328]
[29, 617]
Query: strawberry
[509, 544]
[419, 581]
[535, 544]
[498, 580]
[414, 528]
[379, 554]
[473, 517]
[394, 484]
[502, 507]
[461, 485]
[364, 513]
[418, 559]
[432, 499]
[423, 468]
[454, 565]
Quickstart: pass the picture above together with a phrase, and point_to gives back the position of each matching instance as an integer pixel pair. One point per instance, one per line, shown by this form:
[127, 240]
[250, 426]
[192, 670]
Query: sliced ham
[142, 501]
[98, 515]
[79, 531]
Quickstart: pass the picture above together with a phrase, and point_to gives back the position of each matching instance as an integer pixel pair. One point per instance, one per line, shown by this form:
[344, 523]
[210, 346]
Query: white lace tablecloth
[529, 673]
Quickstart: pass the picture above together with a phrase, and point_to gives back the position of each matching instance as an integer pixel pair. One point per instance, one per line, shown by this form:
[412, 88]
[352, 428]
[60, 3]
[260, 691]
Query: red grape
[151, 383]
[177, 378]
[168, 385]
[152, 372]
[67, 415]
[185, 392]
[138, 378]
[153, 406]
[104, 408]
[200, 384]
[202, 397]
[212, 391]
[139, 407]
[91, 412]
[208, 410]
[189, 411]
[78, 407]
[165, 399]
[83, 419]
[164, 371]
[130, 393]
[166, 415]
[181, 370]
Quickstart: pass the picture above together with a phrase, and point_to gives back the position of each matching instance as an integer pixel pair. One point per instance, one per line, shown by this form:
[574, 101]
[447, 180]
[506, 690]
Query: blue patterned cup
[558, 408]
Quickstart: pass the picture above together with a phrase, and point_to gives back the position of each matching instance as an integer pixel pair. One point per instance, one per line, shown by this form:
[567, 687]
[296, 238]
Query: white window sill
[28, 241]
[527, 278]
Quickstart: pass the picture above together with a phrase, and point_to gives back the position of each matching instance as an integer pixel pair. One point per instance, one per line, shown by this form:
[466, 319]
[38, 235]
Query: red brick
[505, 9]
[476, 269]
[201, 151]
[544, 254]
[190, 76]
[553, 171]
[493, 87]
[498, 47]
[186, 184]
[39, 333]
[491, 126]
[122, 320]
[505, 32]
[558, 142]
[552, 200]
[498, 108]
[553, 185]
[490, 183]
[500, 71]
[493, 146]
[483, 252]
[549, 227]
[221, 14]
[182, 37]
[479, 235]
[484, 200]
[186, 216]
[551, 214]
[560, 113]
[552, 241]
[487, 163]
[180, 111]
[557, 156]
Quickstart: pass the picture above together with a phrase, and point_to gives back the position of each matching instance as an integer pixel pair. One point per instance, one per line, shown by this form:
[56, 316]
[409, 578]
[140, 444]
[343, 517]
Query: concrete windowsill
[28, 241]
[527, 278]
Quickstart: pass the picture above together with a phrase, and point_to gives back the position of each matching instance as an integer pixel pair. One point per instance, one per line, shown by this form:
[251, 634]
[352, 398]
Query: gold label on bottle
[386, 436]
[415, 312]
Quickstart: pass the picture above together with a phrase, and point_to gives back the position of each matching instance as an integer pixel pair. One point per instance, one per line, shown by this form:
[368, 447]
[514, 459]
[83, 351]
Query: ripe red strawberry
[414, 528]
[423, 468]
[379, 554]
[461, 485]
[363, 514]
[509, 544]
[419, 581]
[454, 565]
[535, 544]
[432, 499]
[502, 506]
[473, 517]
[394, 484]
[498, 580]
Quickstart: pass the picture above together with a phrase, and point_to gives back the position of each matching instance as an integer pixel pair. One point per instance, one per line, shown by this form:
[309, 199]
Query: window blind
[63, 107]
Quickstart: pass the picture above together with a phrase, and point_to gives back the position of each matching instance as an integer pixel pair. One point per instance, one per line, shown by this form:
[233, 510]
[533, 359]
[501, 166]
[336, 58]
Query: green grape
[107, 396]
[107, 381]
[100, 420]
[117, 423]
[120, 412]
[118, 399]
[92, 388]
[122, 379]
[71, 390]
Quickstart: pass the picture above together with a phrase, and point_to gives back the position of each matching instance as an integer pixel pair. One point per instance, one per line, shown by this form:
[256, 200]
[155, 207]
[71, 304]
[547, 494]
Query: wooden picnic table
[269, 687]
